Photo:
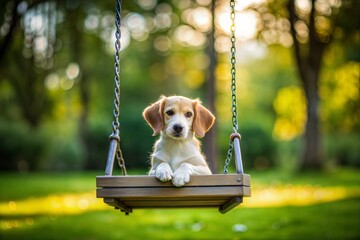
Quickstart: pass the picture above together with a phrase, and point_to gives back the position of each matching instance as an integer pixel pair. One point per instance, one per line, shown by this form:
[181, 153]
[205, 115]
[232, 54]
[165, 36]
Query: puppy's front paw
[180, 178]
[164, 174]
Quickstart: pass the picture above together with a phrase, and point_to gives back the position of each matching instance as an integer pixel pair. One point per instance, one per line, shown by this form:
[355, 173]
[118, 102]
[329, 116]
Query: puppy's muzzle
[178, 128]
[178, 131]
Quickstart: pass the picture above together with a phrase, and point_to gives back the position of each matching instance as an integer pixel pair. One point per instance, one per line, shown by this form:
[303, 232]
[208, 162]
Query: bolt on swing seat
[222, 191]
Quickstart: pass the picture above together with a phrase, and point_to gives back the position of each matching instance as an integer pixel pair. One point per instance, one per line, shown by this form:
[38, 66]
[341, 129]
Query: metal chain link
[116, 111]
[233, 85]
[116, 124]
[120, 160]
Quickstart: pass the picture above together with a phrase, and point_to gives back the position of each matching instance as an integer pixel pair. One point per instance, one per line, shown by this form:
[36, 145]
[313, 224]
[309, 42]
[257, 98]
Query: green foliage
[64, 154]
[137, 142]
[258, 148]
[97, 144]
[344, 149]
[20, 147]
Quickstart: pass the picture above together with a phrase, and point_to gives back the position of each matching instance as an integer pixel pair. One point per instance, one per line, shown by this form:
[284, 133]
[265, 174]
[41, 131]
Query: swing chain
[115, 124]
[233, 85]
[120, 160]
[116, 111]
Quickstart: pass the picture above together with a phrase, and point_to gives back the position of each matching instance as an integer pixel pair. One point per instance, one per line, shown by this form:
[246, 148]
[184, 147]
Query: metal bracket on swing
[114, 141]
[114, 152]
[235, 138]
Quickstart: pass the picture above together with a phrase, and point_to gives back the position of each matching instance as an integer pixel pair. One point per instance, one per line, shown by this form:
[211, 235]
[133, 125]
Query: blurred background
[57, 74]
[298, 71]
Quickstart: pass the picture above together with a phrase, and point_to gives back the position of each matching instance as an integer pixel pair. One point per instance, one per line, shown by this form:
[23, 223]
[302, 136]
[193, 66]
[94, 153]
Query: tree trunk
[311, 153]
[77, 43]
[308, 58]
[210, 148]
[5, 44]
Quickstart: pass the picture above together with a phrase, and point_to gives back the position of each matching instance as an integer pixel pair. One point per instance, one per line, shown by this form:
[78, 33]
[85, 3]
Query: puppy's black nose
[178, 128]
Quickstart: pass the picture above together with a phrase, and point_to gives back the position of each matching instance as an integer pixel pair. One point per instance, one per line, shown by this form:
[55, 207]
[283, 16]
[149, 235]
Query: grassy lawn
[338, 219]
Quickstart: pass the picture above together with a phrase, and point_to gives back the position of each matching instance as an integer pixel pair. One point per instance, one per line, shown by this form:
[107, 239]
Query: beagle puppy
[177, 154]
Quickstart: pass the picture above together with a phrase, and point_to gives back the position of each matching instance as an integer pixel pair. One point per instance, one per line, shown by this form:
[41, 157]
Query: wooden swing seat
[223, 191]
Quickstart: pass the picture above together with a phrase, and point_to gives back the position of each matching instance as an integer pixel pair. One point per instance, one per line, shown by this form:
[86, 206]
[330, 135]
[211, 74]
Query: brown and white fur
[177, 154]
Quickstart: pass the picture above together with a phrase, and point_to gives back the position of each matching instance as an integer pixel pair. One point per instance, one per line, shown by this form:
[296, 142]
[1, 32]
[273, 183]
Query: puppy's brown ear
[203, 119]
[154, 116]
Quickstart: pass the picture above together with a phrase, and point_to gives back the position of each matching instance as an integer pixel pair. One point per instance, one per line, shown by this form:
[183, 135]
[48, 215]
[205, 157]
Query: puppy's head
[177, 116]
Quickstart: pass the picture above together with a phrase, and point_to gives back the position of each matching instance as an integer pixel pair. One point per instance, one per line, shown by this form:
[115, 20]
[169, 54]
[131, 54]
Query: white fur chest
[175, 152]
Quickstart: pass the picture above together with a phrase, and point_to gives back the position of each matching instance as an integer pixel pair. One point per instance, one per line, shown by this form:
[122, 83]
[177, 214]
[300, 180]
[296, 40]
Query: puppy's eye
[170, 112]
[188, 114]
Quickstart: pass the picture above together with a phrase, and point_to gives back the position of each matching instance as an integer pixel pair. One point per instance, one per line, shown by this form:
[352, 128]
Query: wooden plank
[247, 192]
[152, 181]
[223, 205]
[129, 205]
[168, 207]
[174, 204]
[174, 199]
[148, 193]
[177, 206]
[230, 204]
[117, 204]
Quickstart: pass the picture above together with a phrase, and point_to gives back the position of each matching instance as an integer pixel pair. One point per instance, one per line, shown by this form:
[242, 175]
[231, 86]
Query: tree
[33, 60]
[312, 25]
[308, 57]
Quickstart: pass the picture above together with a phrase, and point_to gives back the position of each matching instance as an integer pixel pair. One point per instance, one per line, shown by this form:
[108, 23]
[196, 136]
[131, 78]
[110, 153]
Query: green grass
[338, 220]
[335, 177]
[335, 220]
[20, 186]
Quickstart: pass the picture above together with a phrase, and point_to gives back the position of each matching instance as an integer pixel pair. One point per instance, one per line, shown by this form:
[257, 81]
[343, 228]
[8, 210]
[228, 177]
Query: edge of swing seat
[218, 190]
